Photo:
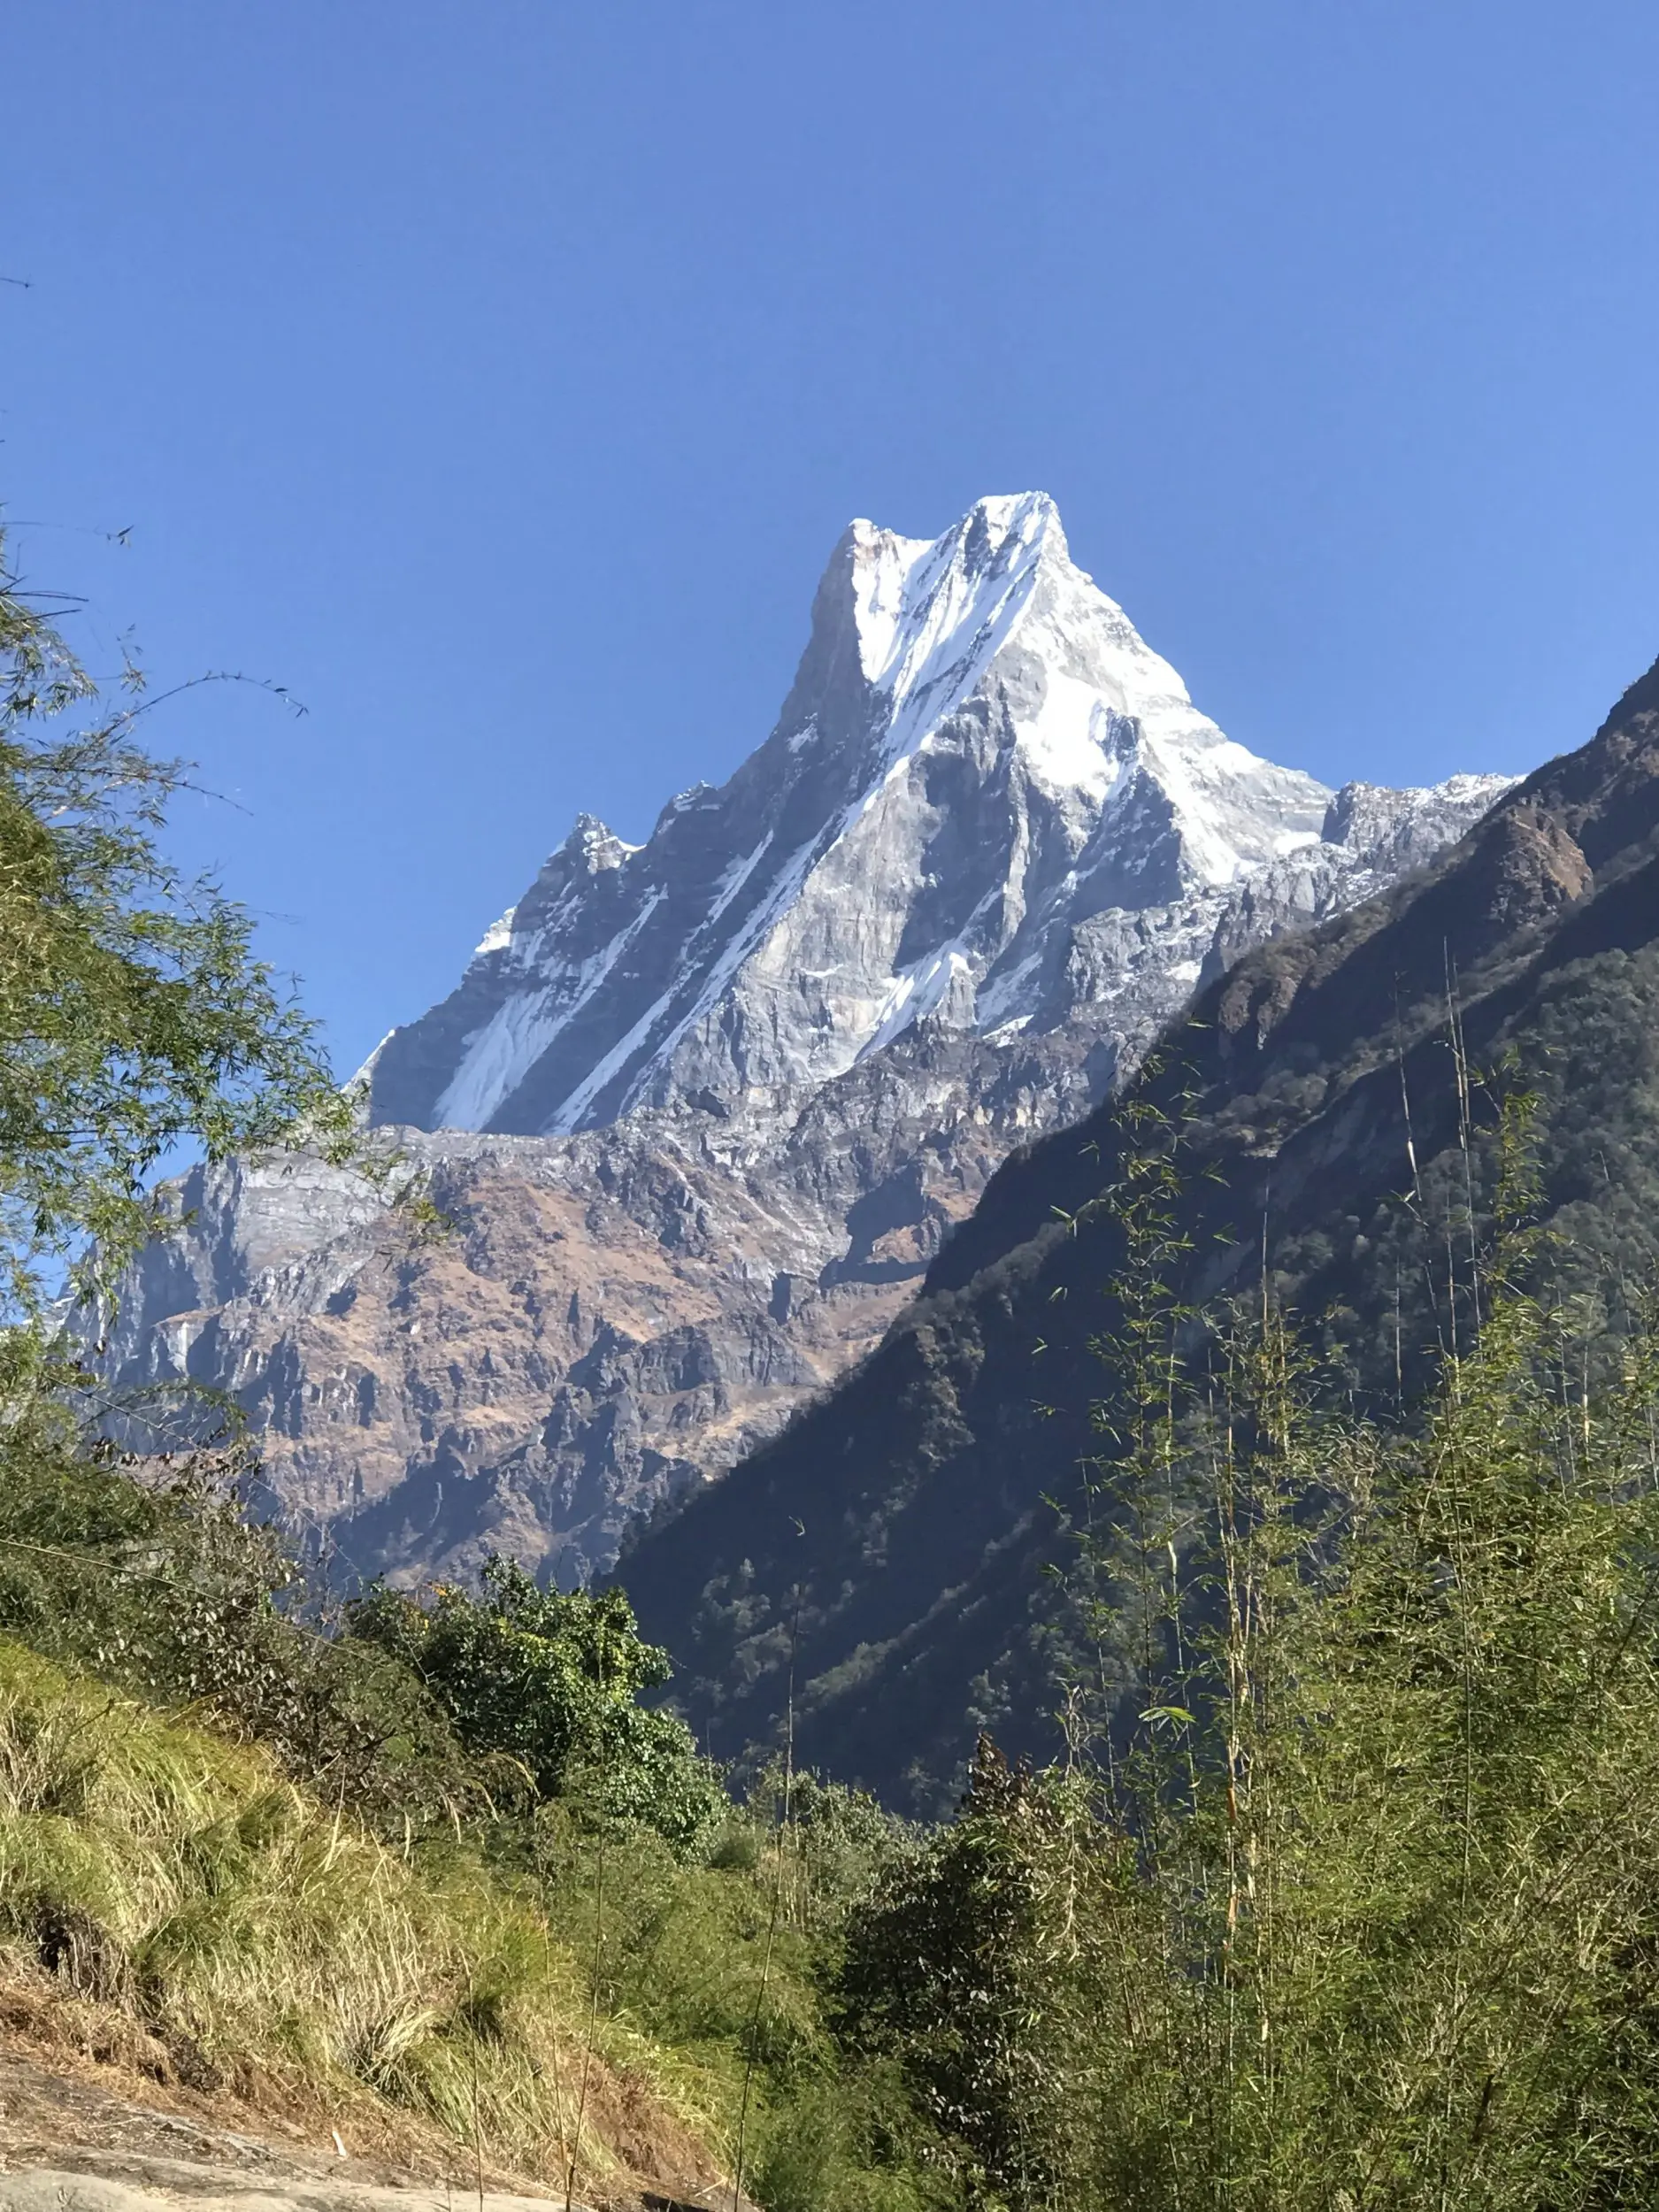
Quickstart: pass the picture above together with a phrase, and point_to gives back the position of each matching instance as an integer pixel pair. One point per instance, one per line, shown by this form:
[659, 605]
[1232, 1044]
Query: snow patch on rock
[1001, 761]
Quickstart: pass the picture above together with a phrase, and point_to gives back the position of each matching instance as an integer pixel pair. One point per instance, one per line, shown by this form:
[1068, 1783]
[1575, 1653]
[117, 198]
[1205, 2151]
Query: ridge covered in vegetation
[1335, 1125]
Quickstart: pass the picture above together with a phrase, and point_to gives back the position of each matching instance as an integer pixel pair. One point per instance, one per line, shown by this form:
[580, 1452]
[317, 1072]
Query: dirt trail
[69, 2142]
[115, 2181]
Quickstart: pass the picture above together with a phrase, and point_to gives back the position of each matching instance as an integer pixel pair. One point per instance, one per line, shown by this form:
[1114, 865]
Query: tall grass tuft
[256, 1935]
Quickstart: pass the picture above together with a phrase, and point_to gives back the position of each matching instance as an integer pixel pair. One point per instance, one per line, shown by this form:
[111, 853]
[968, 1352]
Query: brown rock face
[597, 1321]
[589, 1323]
[594, 1322]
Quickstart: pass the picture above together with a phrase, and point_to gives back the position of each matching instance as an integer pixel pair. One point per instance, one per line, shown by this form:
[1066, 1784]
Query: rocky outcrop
[701, 1111]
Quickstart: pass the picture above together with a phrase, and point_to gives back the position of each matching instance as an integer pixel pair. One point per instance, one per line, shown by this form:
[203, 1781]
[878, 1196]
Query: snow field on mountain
[1000, 760]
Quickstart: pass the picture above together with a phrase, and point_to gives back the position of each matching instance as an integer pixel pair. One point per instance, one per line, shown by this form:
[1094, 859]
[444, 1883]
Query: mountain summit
[979, 755]
[702, 1110]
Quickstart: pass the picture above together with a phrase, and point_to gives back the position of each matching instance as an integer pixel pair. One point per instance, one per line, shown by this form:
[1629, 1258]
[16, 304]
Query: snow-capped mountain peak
[980, 757]
[927, 610]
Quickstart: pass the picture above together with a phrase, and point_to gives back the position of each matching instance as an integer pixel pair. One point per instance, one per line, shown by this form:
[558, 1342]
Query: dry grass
[206, 1924]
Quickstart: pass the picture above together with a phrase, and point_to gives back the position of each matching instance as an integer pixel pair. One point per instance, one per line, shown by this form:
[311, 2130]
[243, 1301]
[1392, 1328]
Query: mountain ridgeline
[701, 1111]
[888, 1557]
[980, 761]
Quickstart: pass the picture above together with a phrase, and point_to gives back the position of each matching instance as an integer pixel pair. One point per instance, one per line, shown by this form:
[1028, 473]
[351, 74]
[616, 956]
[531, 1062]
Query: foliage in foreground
[134, 1014]
[1350, 1895]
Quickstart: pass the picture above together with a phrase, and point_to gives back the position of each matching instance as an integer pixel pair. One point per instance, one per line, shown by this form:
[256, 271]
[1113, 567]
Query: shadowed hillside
[903, 1525]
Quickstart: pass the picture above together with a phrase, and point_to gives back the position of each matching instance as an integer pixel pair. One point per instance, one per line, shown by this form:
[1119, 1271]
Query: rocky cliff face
[701, 1111]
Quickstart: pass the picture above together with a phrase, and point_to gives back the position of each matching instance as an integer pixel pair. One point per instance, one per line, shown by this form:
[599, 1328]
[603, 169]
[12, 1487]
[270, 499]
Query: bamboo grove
[1346, 1894]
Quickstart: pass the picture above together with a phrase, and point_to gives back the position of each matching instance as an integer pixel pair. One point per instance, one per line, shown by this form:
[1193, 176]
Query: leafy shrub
[968, 1973]
[547, 1684]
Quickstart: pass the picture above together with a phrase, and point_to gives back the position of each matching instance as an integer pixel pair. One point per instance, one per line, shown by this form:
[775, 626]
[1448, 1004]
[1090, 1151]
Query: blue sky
[498, 378]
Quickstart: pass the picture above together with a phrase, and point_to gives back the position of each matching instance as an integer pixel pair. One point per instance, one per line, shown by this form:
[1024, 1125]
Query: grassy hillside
[436, 1867]
[214, 1923]
[579, 2005]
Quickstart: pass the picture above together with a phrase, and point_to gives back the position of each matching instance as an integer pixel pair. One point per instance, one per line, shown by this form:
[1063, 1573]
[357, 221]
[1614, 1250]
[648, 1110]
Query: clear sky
[498, 376]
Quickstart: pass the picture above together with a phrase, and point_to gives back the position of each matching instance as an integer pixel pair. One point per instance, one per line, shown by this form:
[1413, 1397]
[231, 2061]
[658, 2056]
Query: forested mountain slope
[887, 1553]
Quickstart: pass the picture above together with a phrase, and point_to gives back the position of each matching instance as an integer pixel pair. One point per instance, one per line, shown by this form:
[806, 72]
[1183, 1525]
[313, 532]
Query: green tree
[135, 1016]
[971, 1971]
[548, 1684]
[1349, 1902]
